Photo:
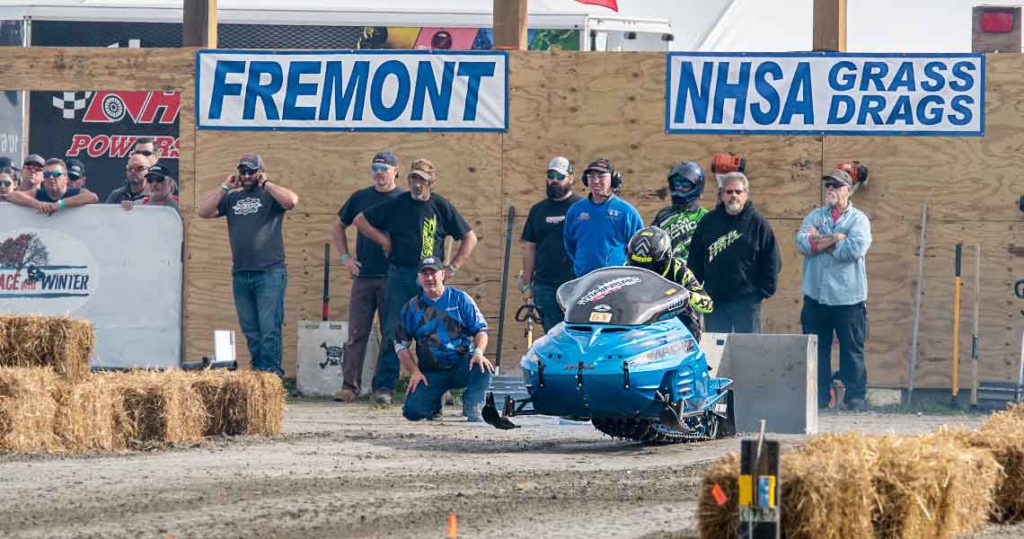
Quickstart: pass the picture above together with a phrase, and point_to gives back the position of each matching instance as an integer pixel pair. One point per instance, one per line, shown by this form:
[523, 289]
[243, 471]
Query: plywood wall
[588, 105]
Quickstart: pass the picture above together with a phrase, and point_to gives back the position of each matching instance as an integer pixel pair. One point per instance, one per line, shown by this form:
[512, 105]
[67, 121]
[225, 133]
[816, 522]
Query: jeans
[850, 325]
[402, 285]
[740, 316]
[544, 297]
[425, 401]
[367, 299]
[259, 301]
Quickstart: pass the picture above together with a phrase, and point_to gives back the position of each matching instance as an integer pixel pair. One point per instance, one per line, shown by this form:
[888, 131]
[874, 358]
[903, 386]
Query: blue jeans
[741, 316]
[259, 301]
[402, 285]
[544, 297]
[425, 401]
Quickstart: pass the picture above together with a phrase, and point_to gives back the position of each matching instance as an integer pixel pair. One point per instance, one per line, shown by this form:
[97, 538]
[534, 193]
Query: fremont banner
[352, 90]
[826, 94]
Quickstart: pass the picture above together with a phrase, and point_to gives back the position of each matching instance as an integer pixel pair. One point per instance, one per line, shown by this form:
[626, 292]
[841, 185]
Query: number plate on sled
[721, 408]
[601, 317]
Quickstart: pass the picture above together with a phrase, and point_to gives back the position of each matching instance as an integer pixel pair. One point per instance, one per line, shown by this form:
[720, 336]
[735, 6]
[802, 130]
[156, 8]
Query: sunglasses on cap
[246, 171]
[555, 175]
[52, 174]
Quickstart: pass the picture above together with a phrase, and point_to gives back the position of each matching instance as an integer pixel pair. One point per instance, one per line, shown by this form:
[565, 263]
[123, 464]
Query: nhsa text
[827, 93]
[351, 90]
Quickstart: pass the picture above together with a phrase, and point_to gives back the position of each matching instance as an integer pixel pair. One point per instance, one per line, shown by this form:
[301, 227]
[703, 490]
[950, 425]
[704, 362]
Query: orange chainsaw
[724, 163]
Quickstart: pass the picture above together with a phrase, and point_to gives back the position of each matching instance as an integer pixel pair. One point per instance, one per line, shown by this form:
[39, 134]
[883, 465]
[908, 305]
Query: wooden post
[200, 24]
[830, 25]
[510, 25]
[759, 488]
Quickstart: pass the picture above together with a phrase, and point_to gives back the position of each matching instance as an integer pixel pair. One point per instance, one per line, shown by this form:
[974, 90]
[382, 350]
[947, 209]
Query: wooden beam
[830, 25]
[200, 24]
[510, 25]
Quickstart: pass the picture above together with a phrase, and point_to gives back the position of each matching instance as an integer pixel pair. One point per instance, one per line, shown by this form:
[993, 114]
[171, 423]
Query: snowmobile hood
[620, 296]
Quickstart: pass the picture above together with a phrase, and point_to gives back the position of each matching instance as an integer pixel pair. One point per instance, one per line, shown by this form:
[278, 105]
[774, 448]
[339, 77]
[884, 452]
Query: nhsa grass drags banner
[826, 94]
[352, 90]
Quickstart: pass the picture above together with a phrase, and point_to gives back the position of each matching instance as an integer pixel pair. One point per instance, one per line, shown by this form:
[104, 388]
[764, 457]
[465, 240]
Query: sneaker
[346, 395]
[382, 398]
[856, 405]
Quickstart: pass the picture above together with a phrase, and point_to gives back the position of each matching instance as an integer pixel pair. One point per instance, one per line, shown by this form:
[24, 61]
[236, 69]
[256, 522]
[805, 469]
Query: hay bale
[27, 408]
[932, 486]
[826, 491]
[1003, 436]
[88, 415]
[158, 407]
[242, 402]
[60, 342]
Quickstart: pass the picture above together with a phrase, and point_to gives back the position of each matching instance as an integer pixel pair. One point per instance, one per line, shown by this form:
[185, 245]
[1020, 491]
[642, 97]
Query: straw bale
[47, 341]
[719, 521]
[158, 407]
[89, 413]
[932, 486]
[27, 409]
[1002, 434]
[244, 402]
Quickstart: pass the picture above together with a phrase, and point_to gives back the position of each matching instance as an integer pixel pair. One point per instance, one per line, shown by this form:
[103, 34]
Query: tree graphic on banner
[25, 250]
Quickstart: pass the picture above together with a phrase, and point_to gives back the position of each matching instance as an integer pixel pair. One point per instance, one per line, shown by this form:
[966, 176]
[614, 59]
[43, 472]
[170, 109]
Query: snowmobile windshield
[622, 296]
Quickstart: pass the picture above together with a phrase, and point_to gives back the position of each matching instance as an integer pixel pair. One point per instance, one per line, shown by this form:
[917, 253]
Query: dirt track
[349, 471]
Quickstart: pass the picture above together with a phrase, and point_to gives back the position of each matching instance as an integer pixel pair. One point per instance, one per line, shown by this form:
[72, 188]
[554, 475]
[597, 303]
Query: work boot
[382, 398]
[346, 395]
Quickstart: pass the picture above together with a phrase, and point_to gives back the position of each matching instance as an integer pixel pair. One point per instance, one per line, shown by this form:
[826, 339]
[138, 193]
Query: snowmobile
[622, 360]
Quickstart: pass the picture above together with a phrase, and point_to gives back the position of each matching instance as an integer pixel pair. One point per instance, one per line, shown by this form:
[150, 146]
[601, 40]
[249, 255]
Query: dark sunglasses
[53, 173]
[379, 168]
[147, 153]
[555, 175]
[6, 183]
[155, 179]
[32, 165]
[834, 184]
[247, 171]
[733, 191]
[138, 168]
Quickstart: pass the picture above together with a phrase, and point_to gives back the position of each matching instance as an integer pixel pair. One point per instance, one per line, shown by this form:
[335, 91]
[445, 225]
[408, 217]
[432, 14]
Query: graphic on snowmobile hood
[621, 295]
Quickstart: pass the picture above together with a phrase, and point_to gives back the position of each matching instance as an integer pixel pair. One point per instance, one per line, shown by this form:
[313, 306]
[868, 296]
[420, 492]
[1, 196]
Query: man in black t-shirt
[254, 207]
[409, 228]
[53, 194]
[545, 264]
[369, 269]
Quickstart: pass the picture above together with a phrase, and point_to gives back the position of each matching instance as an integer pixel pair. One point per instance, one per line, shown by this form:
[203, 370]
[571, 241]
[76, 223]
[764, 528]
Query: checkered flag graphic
[71, 102]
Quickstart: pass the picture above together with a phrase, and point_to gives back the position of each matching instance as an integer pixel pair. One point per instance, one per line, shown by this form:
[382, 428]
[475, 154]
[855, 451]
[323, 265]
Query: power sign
[352, 90]
[826, 94]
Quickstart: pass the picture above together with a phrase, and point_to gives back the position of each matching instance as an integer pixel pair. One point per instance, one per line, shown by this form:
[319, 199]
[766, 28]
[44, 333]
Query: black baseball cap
[431, 262]
[76, 169]
[34, 159]
[158, 171]
[600, 165]
[6, 162]
[387, 157]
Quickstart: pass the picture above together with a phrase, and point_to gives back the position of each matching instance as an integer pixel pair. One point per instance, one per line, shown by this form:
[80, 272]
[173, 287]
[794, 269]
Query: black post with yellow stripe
[759, 489]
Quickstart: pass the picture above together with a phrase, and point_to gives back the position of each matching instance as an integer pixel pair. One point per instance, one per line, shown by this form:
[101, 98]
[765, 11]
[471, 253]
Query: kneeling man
[450, 335]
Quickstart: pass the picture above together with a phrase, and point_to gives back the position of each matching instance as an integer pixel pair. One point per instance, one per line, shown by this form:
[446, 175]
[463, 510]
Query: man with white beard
[834, 240]
[733, 252]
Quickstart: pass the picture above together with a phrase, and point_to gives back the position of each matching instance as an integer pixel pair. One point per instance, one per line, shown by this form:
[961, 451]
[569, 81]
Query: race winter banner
[352, 90]
[826, 94]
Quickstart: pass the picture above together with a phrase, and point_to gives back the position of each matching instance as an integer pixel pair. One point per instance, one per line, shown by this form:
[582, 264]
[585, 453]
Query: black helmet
[649, 248]
[686, 183]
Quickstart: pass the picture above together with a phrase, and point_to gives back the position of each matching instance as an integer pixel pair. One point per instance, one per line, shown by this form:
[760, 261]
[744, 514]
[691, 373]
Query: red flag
[610, 4]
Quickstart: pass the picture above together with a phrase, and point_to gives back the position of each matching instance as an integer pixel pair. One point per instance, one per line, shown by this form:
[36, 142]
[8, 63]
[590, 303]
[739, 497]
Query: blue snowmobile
[623, 360]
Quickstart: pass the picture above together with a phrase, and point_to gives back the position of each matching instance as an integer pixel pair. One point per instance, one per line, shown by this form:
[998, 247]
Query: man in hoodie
[598, 227]
[834, 240]
[733, 252]
[686, 184]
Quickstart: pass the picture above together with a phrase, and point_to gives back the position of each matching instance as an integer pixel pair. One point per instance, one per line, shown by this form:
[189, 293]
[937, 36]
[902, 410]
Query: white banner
[121, 270]
[826, 94]
[352, 90]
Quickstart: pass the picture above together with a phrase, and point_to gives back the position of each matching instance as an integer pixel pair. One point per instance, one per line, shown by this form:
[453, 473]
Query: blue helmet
[686, 183]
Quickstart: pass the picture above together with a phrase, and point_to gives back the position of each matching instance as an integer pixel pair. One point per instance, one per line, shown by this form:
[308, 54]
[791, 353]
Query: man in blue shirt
[598, 228]
[834, 240]
[450, 335]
